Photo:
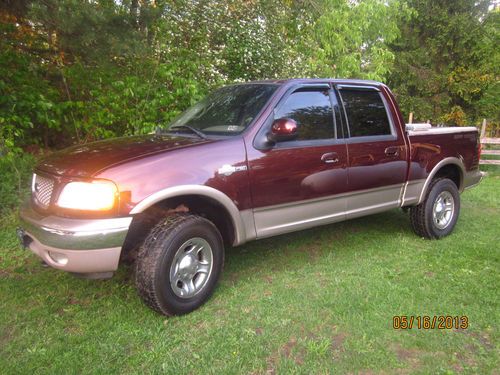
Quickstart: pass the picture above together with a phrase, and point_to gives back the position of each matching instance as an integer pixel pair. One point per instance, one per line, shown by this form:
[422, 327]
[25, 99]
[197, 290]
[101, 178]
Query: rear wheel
[179, 264]
[437, 215]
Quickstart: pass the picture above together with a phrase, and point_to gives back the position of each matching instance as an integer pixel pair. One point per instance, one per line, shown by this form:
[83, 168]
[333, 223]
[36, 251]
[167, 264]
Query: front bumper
[74, 245]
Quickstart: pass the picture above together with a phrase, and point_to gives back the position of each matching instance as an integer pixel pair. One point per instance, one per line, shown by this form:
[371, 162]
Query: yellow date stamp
[430, 322]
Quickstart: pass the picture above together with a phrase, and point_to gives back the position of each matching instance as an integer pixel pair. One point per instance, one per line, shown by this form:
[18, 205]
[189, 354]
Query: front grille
[42, 190]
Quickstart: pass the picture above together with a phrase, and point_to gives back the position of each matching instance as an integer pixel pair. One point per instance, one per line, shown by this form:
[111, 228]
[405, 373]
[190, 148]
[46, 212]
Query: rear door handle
[330, 158]
[392, 151]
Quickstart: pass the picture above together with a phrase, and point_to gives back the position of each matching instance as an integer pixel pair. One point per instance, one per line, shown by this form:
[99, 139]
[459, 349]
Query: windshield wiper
[199, 133]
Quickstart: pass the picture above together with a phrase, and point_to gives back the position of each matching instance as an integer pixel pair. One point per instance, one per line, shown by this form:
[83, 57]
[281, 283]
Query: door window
[312, 111]
[366, 113]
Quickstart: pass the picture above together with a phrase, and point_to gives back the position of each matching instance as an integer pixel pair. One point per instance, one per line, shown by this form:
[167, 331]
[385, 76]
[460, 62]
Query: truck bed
[430, 146]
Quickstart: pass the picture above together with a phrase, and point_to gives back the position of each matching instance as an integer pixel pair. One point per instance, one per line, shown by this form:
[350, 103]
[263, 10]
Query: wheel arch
[202, 199]
[452, 168]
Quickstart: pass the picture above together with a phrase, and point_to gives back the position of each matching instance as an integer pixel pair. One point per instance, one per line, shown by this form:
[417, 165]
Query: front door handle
[392, 151]
[330, 158]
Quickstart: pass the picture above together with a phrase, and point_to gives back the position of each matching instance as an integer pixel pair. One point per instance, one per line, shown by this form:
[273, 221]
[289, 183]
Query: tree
[79, 70]
[350, 38]
[442, 67]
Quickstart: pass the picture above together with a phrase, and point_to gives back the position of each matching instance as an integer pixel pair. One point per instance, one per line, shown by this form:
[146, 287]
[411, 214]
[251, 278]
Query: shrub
[16, 173]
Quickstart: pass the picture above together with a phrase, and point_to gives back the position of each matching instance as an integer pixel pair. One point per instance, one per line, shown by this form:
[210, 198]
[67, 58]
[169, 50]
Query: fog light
[58, 258]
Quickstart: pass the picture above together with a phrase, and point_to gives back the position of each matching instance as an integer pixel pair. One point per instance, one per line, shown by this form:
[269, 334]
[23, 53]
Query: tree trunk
[134, 12]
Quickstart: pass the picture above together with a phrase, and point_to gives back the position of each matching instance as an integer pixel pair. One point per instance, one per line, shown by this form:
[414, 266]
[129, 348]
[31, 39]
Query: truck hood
[89, 159]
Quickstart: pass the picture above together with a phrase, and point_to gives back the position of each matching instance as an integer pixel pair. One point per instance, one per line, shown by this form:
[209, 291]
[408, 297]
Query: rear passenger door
[376, 151]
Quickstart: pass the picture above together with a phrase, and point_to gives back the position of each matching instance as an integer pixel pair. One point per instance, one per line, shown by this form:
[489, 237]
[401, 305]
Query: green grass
[317, 301]
[490, 157]
[491, 147]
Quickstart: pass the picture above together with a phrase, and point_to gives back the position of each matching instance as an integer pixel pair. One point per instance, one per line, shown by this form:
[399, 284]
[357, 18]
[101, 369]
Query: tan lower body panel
[412, 192]
[275, 220]
[367, 202]
[79, 261]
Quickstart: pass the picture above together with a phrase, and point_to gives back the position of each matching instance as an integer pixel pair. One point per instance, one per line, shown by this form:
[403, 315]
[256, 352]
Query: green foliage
[14, 184]
[76, 71]
[27, 107]
[112, 104]
[350, 39]
[446, 66]
[102, 69]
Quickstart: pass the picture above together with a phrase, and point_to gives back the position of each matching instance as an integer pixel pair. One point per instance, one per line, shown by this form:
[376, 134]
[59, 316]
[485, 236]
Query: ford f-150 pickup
[250, 161]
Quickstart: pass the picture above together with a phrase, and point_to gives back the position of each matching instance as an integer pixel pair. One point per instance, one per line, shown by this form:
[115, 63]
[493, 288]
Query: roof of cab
[318, 80]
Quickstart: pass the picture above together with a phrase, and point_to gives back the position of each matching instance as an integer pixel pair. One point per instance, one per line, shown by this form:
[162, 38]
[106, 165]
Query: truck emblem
[228, 170]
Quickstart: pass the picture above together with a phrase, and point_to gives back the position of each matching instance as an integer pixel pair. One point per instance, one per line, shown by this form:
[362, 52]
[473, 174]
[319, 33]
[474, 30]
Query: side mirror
[284, 129]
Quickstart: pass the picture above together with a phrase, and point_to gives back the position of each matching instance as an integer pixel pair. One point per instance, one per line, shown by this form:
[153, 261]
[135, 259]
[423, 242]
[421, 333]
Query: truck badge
[228, 170]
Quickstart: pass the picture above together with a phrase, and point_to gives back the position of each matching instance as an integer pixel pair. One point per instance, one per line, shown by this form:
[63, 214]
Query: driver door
[299, 183]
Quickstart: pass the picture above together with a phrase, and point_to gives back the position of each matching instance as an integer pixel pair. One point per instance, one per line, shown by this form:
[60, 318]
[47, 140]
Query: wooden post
[483, 128]
[410, 118]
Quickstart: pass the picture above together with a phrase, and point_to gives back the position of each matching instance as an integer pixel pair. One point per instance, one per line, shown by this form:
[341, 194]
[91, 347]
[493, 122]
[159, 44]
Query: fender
[446, 161]
[242, 220]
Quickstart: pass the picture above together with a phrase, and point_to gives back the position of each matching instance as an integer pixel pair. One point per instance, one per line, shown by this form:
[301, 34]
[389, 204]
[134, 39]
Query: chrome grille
[42, 190]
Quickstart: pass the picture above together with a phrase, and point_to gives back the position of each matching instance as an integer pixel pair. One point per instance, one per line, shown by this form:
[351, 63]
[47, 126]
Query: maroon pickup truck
[249, 161]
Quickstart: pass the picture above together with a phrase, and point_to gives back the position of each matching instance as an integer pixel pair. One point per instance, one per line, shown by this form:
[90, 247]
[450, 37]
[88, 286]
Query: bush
[16, 171]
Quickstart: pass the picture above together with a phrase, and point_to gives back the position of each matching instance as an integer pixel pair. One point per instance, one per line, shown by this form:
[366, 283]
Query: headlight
[94, 196]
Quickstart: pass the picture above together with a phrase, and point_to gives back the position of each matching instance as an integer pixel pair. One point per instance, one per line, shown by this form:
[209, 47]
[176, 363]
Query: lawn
[490, 157]
[317, 301]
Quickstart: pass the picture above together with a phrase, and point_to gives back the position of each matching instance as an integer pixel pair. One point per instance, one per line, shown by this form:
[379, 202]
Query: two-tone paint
[269, 191]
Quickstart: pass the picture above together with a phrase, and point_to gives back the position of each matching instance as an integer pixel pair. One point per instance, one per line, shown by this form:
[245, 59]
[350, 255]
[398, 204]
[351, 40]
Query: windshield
[226, 111]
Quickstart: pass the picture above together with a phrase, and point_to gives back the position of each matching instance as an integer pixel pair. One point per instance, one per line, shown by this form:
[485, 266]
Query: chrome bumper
[74, 245]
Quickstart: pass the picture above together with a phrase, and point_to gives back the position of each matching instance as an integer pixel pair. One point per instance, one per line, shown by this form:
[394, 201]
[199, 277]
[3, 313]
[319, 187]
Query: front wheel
[437, 215]
[179, 264]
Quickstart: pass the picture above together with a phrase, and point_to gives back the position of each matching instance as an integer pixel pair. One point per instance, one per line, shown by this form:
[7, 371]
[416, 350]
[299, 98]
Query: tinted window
[365, 112]
[313, 113]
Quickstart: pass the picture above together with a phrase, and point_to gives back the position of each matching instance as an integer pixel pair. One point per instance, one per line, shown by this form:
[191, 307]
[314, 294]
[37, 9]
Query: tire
[437, 215]
[179, 264]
